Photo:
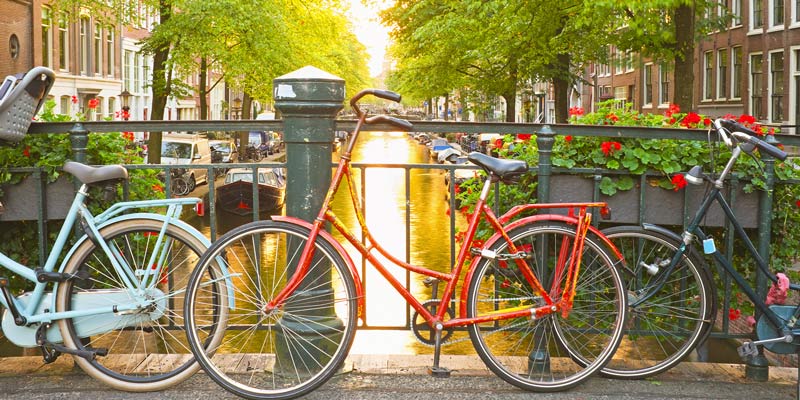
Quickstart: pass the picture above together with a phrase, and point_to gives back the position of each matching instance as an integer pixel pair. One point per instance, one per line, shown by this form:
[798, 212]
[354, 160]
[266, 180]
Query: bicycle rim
[668, 326]
[551, 353]
[294, 349]
[147, 347]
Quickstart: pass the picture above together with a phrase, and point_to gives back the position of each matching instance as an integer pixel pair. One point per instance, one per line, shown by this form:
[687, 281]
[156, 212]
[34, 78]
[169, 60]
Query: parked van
[178, 148]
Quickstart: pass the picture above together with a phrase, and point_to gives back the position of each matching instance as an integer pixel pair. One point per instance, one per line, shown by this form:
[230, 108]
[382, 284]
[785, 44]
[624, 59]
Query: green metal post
[309, 100]
[757, 367]
[545, 139]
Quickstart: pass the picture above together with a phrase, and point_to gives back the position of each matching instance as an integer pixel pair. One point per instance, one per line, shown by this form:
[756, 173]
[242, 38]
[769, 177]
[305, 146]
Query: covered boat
[236, 194]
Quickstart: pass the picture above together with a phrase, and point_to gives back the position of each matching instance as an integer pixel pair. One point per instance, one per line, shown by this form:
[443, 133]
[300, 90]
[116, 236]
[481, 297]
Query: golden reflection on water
[386, 214]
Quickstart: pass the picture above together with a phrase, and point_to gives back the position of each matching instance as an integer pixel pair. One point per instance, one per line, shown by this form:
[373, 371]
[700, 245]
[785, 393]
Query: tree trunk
[446, 106]
[684, 59]
[561, 85]
[203, 89]
[161, 88]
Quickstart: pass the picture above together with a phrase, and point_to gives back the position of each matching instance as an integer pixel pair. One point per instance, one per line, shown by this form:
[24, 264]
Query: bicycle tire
[293, 350]
[179, 186]
[540, 354]
[145, 352]
[663, 330]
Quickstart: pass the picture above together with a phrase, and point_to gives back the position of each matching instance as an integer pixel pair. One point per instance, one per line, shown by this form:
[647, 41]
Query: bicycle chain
[505, 328]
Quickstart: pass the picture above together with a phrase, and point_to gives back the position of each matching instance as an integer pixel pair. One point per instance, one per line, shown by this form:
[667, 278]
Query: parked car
[223, 151]
[187, 148]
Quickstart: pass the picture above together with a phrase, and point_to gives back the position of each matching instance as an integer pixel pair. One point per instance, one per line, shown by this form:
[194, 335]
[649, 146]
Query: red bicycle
[541, 300]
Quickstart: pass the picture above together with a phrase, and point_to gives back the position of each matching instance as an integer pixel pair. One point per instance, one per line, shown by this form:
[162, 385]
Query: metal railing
[545, 136]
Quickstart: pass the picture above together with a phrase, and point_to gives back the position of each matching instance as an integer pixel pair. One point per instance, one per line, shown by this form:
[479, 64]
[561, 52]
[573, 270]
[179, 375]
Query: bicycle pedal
[439, 372]
[747, 349]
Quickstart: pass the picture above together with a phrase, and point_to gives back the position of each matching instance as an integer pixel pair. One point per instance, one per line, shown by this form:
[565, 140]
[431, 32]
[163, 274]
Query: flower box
[661, 207]
[22, 202]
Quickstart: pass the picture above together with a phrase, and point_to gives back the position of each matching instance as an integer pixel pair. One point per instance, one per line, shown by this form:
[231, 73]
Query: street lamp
[237, 107]
[125, 96]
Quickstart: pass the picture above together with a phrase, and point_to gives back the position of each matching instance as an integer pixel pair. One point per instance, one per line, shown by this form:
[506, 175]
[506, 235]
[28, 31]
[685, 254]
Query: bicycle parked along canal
[542, 300]
[115, 302]
[671, 293]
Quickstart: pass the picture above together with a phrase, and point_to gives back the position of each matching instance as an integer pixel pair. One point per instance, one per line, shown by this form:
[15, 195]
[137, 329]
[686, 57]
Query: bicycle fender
[515, 224]
[663, 231]
[362, 310]
[158, 217]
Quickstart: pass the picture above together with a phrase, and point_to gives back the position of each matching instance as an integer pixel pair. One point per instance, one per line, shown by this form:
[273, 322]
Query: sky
[369, 30]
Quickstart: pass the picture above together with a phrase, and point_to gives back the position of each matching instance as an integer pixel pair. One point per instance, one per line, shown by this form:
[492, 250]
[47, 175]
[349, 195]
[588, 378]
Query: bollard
[309, 100]
[545, 139]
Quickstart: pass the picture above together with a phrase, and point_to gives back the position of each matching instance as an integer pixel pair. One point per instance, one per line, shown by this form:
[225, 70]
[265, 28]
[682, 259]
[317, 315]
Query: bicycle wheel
[287, 352]
[179, 186]
[551, 353]
[666, 327]
[147, 347]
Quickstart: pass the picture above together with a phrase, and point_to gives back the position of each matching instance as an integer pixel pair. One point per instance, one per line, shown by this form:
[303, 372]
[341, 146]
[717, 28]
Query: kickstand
[436, 371]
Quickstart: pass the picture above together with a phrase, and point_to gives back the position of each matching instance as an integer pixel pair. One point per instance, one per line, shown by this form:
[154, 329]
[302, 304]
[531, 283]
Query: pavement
[401, 377]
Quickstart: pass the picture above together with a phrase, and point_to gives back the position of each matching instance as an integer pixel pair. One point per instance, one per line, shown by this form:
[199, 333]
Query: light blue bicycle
[114, 299]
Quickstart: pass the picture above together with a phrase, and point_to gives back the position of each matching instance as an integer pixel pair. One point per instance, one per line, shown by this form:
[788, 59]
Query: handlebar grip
[762, 145]
[387, 94]
[734, 126]
[400, 123]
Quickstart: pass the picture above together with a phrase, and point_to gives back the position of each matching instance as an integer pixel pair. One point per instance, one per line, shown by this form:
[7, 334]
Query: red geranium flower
[93, 103]
[797, 203]
[673, 109]
[609, 148]
[747, 119]
[576, 111]
[74, 99]
[568, 138]
[679, 181]
[612, 117]
[734, 314]
[690, 120]
[26, 151]
[524, 136]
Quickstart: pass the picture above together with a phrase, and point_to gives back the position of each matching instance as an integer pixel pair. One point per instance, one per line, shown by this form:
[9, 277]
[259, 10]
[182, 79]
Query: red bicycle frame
[568, 261]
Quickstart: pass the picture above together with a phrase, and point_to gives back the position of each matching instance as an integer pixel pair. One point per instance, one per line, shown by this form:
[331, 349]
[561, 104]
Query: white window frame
[734, 84]
[794, 75]
[97, 48]
[794, 14]
[647, 82]
[48, 26]
[722, 73]
[736, 12]
[708, 70]
[775, 25]
[751, 110]
[752, 30]
[110, 40]
[663, 98]
[618, 62]
[770, 112]
[63, 41]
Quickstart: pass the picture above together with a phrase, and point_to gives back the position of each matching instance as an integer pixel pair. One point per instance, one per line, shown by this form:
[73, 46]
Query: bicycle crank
[425, 333]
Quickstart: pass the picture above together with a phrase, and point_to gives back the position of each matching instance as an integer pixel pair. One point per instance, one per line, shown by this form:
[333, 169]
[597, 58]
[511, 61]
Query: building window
[776, 86]
[736, 13]
[736, 73]
[663, 85]
[65, 103]
[756, 85]
[722, 73]
[47, 37]
[756, 15]
[647, 84]
[127, 73]
[619, 61]
[110, 51]
[137, 73]
[84, 46]
[795, 11]
[98, 49]
[112, 107]
[708, 69]
[63, 41]
[776, 16]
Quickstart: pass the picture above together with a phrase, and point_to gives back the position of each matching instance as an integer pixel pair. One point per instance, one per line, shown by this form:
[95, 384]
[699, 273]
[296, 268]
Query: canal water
[427, 243]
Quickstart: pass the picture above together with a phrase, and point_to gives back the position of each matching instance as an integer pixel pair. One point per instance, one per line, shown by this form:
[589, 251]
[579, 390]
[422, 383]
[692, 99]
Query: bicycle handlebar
[742, 133]
[383, 94]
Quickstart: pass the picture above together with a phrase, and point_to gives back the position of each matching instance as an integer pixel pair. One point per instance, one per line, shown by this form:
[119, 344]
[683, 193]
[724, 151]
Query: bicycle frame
[482, 211]
[693, 230]
[34, 308]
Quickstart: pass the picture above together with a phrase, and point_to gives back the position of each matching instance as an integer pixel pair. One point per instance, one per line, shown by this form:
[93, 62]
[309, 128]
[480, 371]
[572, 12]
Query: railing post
[545, 139]
[309, 100]
[78, 138]
[757, 367]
